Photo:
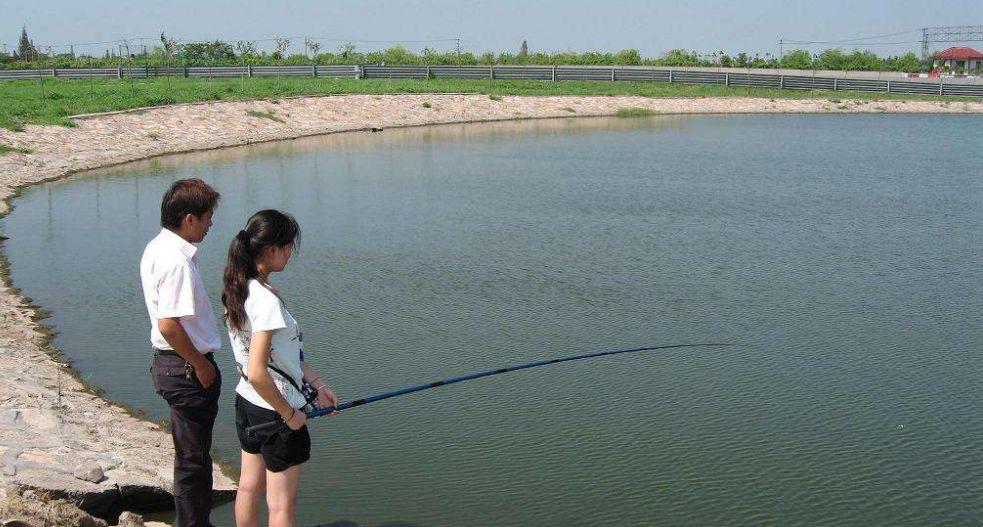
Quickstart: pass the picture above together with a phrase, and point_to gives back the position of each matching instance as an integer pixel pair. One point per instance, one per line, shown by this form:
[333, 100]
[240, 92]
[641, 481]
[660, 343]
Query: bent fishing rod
[252, 430]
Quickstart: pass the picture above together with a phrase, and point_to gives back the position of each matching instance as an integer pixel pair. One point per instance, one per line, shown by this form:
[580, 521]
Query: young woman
[266, 342]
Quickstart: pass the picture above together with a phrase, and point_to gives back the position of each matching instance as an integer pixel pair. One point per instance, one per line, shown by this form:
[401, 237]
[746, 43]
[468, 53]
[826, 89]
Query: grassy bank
[51, 102]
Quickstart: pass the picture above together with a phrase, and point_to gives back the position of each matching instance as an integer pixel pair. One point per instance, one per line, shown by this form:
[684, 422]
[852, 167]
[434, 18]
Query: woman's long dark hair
[265, 229]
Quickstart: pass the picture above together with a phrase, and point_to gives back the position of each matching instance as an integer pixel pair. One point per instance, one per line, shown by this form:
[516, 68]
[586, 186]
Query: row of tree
[220, 53]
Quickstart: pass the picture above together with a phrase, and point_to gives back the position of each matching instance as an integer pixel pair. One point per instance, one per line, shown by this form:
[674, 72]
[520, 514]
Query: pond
[840, 255]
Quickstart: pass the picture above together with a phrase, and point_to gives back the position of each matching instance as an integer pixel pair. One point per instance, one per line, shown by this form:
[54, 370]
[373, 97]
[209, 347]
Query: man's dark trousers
[193, 411]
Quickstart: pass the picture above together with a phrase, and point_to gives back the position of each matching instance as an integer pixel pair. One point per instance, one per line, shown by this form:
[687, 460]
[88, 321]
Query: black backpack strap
[276, 370]
[309, 394]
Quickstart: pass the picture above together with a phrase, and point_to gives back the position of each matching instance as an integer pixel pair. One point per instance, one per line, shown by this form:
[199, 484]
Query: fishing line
[470, 377]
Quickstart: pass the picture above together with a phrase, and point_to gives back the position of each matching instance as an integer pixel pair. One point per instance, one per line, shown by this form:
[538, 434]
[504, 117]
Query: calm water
[842, 253]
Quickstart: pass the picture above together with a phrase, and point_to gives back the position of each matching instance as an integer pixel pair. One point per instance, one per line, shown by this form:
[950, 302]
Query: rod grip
[255, 429]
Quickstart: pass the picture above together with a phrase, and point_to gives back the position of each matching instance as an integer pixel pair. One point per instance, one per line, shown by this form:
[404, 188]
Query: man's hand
[205, 372]
[174, 334]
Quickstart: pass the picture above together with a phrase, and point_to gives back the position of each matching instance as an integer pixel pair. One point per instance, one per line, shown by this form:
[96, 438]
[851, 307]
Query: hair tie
[243, 236]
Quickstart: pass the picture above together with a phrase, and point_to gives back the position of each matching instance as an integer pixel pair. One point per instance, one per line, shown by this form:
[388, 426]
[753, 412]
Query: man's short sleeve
[263, 309]
[176, 292]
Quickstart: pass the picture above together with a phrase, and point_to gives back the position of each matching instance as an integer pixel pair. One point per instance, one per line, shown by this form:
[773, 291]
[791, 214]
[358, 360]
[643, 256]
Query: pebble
[89, 471]
[130, 519]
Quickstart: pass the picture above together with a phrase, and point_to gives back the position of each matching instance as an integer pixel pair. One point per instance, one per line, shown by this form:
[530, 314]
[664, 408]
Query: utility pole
[458, 51]
[781, 53]
[924, 43]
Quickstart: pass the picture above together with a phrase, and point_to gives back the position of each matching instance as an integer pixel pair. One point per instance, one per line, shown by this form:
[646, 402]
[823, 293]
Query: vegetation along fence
[542, 73]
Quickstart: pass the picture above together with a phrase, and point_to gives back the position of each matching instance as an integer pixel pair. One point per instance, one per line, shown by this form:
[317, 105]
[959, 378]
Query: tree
[25, 48]
[628, 57]
[169, 45]
[208, 52]
[246, 49]
[798, 59]
[282, 45]
[831, 59]
[312, 45]
[680, 57]
[347, 52]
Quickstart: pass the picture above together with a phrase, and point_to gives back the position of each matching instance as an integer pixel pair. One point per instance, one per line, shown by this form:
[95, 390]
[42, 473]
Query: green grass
[264, 115]
[21, 101]
[635, 112]
[6, 149]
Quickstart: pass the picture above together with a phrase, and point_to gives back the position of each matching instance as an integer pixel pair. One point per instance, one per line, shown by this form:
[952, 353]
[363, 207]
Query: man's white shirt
[172, 288]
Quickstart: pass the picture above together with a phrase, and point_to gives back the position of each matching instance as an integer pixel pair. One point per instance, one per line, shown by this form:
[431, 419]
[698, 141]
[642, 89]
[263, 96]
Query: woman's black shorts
[281, 448]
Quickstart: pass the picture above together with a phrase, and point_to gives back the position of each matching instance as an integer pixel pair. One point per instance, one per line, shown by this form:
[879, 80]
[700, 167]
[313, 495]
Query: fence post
[727, 78]
[54, 72]
[781, 82]
[249, 70]
[119, 72]
[612, 74]
[670, 75]
[313, 70]
[889, 86]
[834, 83]
[941, 82]
[428, 72]
[359, 72]
[146, 71]
[491, 72]
[185, 71]
[554, 73]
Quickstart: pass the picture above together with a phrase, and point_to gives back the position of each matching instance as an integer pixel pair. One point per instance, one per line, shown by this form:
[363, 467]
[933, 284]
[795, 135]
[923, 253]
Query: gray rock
[89, 471]
[129, 519]
[9, 417]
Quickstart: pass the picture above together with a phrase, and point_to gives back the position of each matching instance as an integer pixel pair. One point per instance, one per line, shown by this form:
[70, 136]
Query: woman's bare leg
[281, 496]
[252, 486]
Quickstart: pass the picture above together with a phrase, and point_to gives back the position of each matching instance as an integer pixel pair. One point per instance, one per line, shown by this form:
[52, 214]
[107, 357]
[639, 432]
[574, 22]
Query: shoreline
[52, 424]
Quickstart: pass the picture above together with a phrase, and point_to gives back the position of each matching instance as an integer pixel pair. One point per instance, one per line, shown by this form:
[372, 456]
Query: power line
[906, 42]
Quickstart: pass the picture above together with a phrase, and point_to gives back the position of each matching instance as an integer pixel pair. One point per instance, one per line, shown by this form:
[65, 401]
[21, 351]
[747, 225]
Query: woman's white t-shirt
[265, 312]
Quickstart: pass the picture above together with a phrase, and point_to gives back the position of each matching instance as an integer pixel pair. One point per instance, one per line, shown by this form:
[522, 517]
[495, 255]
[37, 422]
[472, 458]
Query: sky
[652, 27]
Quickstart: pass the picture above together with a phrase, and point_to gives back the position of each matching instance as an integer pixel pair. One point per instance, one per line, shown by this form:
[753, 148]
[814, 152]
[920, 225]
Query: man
[184, 334]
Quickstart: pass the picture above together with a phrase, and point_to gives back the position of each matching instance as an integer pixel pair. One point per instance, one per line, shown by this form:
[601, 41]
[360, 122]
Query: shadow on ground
[349, 523]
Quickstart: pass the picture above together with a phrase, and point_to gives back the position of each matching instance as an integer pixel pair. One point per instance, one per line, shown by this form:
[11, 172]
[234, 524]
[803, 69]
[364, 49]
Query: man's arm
[174, 334]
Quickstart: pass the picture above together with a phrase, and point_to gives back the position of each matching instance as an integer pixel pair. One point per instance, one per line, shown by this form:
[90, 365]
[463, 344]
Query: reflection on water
[841, 253]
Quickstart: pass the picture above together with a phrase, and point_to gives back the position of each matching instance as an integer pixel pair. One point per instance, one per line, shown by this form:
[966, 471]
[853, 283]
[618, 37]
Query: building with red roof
[959, 59]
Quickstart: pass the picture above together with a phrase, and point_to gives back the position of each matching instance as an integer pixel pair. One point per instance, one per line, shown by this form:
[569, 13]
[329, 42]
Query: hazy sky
[551, 25]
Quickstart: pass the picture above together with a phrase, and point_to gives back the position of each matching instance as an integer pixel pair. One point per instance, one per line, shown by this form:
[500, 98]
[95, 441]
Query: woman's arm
[257, 369]
[325, 397]
[311, 377]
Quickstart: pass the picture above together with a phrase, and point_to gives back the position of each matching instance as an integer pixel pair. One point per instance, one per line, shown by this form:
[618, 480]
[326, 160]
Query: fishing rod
[252, 430]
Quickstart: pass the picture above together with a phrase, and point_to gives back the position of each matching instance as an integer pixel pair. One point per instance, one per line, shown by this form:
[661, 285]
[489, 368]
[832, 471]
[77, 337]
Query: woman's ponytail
[240, 267]
[266, 228]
